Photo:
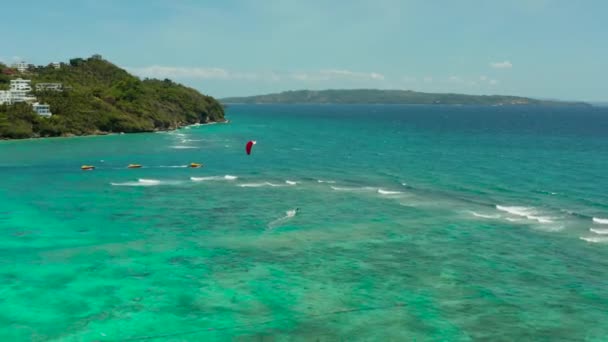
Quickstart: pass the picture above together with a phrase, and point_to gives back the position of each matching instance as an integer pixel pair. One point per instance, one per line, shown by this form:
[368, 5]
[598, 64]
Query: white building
[42, 109]
[5, 97]
[56, 65]
[20, 84]
[49, 86]
[21, 66]
[20, 96]
[15, 96]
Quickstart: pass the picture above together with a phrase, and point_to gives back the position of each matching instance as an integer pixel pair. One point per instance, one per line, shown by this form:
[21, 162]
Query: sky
[555, 49]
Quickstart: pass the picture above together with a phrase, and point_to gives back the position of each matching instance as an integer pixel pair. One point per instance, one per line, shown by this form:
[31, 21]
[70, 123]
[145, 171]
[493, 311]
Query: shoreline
[100, 133]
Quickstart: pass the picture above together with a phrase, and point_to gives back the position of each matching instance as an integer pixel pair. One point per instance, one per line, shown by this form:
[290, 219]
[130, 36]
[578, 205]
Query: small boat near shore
[87, 167]
[195, 165]
[134, 166]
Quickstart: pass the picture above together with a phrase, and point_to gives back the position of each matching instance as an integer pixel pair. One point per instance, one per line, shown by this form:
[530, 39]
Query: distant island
[377, 96]
[94, 96]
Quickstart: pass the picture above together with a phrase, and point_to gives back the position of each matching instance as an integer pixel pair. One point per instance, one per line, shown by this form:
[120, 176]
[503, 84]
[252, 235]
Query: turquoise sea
[415, 223]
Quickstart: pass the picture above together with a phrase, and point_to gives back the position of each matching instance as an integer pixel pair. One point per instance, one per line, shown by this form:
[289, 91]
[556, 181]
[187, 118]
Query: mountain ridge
[380, 96]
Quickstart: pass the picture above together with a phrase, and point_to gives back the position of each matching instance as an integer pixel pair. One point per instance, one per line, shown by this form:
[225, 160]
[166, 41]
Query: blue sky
[540, 48]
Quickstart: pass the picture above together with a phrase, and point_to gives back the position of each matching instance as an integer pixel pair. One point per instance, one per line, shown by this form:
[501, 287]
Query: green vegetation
[377, 96]
[102, 98]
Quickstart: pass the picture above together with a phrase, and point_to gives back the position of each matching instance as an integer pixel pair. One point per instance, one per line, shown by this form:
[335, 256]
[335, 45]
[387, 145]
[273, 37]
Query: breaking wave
[595, 239]
[183, 147]
[485, 215]
[364, 188]
[600, 220]
[213, 178]
[599, 231]
[257, 185]
[291, 182]
[388, 192]
[527, 212]
[140, 182]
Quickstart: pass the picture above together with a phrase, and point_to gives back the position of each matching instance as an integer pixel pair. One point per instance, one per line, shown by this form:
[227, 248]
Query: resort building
[20, 96]
[5, 97]
[42, 109]
[21, 84]
[14, 96]
[19, 92]
[56, 65]
[49, 86]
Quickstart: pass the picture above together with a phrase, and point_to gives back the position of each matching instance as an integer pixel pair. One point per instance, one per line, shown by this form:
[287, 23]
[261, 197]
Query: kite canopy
[249, 145]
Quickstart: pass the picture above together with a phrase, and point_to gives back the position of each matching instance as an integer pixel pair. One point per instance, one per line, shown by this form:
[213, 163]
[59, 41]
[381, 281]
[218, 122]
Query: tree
[76, 61]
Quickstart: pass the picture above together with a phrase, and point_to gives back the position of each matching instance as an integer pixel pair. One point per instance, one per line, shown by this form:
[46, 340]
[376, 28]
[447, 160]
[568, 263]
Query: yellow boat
[134, 166]
[195, 165]
[87, 167]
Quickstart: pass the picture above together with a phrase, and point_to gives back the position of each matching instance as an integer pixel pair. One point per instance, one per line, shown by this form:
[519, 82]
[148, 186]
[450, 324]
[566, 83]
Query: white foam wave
[527, 212]
[326, 181]
[365, 188]
[291, 182]
[140, 182]
[599, 231]
[183, 147]
[388, 192]
[485, 215]
[149, 181]
[257, 185]
[595, 239]
[289, 214]
[600, 220]
[518, 211]
[213, 178]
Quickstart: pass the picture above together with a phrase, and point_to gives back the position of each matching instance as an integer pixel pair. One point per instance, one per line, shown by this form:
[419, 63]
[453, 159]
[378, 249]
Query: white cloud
[205, 73]
[483, 78]
[501, 65]
[494, 82]
[408, 79]
[428, 79]
[158, 71]
[336, 74]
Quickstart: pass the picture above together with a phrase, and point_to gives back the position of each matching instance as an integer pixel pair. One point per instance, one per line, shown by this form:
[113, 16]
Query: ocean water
[388, 223]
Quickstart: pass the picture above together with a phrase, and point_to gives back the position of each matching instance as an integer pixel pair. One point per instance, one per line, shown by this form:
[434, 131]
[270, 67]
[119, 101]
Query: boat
[195, 165]
[87, 167]
[134, 166]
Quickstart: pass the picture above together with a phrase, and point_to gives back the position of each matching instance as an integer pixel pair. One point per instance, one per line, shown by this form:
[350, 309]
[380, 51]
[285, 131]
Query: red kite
[249, 146]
